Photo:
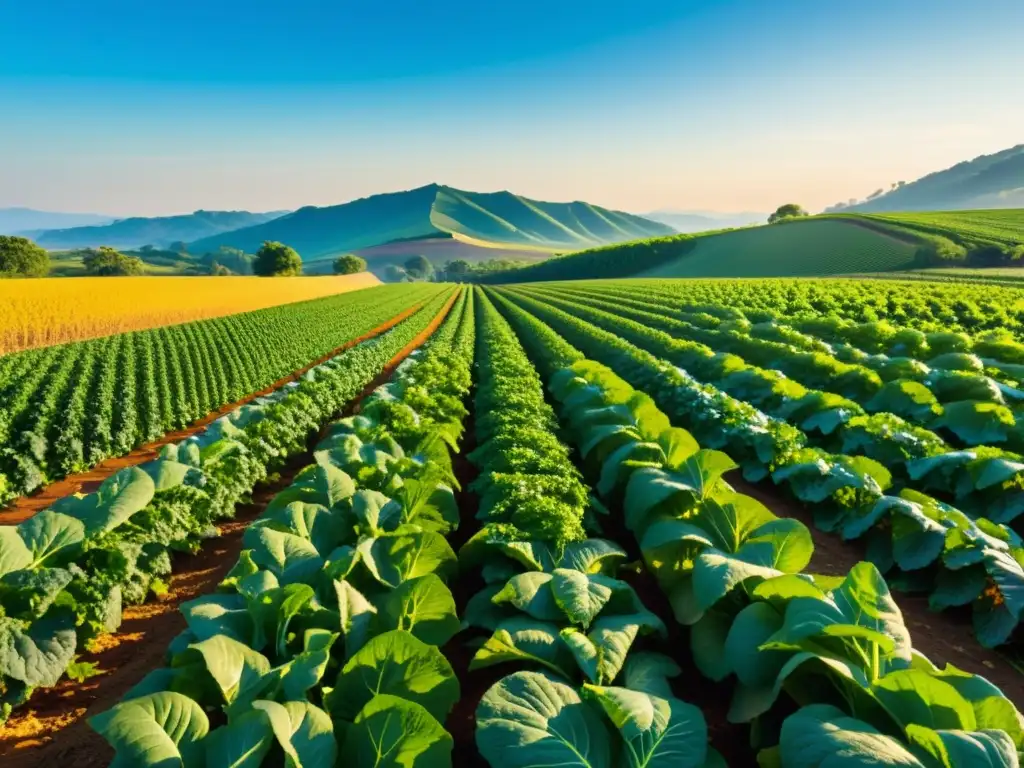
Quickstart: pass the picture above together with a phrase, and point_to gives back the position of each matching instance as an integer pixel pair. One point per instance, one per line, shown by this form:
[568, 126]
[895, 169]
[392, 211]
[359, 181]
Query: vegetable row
[65, 408]
[836, 647]
[324, 638]
[590, 691]
[939, 549]
[66, 572]
[986, 481]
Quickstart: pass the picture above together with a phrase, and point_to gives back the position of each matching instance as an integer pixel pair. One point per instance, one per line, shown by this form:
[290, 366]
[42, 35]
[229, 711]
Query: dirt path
[53, 729]
[87, 482]
[945, 638]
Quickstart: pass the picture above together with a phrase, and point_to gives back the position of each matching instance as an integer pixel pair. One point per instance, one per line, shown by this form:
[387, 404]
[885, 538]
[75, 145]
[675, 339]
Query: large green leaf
[649, 672]
[657, 732]
[823, 736]
[119, 497]
[391, 732]
[14, 554]
[581, 596]
[304, 732]
[950, 749]
[423, 606]
[376, 512]
[48, 536]
[531, 593]
[291, 558]
[530, 719]
[161, 729]
[591, 556]
[38, 655]
[913, 696]
[396, 663]
[357, 616]
[601, 653]
[395, 557]
[233, 666]
[525, 639]
[324, 528]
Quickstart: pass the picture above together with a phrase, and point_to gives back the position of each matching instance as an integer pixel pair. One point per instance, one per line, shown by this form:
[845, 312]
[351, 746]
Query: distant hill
[989, 181]
[159, 231]
[701, 221]
[15, 221]
[830, 244]
[441, 223]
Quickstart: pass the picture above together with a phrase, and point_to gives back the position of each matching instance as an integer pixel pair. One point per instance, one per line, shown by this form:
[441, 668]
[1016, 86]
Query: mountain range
[158, 231]
[441, 223]
[988, 181]
[17, 220]
[688, 222]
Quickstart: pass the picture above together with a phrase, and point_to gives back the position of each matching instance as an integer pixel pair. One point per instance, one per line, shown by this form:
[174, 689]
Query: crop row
[957, 560]
[66, 572]
[985, 480]
[734, 573]
[66, 408]
[924, 306]
[324, 638]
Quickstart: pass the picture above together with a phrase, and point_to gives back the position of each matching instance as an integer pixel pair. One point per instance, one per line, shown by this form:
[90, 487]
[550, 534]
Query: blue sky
[125, 107]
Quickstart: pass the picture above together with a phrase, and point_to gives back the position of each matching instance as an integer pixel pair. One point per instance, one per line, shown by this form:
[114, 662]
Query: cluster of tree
[787, 211]
[460, 270]
[109, 262]
[20, 257]
[843, 205]
[414, 268]
[349, 264]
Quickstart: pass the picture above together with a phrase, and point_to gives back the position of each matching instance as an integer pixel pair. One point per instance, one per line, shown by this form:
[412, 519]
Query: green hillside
[796, 249]
[159, 231]
[830, 244]
[485, 220]
[989, 181]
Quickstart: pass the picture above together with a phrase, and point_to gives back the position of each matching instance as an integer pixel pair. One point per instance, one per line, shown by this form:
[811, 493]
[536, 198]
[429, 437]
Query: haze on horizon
[161, 108]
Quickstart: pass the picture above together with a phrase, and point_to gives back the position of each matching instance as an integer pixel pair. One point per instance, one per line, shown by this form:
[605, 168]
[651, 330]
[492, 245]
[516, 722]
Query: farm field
[39, 312]
[65, 408]
[420, 546]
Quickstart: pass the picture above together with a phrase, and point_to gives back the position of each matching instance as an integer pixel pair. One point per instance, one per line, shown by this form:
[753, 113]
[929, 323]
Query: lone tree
[787, 211]
[349, 264]
[419, 267]
[109, 262]
[20, 257]
[276, 260]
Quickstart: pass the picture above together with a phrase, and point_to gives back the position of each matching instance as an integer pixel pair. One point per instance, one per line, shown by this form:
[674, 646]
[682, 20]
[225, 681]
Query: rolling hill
[830, 244]
[158, 231]
[15, 221]
[989, 181]
[441, 223]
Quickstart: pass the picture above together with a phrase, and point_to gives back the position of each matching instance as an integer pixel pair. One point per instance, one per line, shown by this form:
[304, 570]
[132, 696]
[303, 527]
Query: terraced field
[616, 523]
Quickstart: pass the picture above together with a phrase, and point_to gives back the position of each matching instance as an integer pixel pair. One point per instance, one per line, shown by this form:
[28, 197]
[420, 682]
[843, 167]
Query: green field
[798, 249]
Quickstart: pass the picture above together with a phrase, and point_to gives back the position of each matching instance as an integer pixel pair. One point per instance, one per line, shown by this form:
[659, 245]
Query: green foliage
[419, 267]
[349, 264]
[105, 261]
[787, 211]
[275, 259]
[20, 257]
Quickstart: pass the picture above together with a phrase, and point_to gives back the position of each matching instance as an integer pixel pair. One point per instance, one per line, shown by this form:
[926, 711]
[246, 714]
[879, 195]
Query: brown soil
[87, 482]
[53, 727]
[945, 638]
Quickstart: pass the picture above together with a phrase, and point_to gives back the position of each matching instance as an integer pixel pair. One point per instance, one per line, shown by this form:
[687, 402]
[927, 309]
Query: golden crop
[54, 310]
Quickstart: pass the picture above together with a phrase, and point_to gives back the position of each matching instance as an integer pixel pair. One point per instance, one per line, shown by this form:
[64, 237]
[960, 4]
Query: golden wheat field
[44, 311]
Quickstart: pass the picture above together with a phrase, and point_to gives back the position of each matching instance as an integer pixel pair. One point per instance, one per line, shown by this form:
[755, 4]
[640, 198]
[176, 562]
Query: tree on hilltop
[787, 211]
[275, 259]
[349, 264]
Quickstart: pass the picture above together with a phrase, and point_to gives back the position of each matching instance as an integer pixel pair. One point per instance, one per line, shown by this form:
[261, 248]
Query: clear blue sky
[130, 107]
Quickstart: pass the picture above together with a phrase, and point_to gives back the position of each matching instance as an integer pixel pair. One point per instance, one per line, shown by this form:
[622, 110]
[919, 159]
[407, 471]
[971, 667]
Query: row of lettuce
[890, 426]
[65, 408]
[836, 647]
[67, 572]
[324, 639]
[958, 560]
[593, 687]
